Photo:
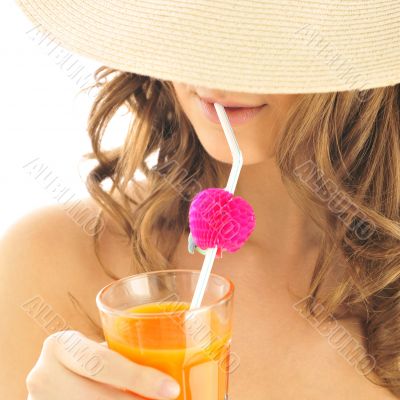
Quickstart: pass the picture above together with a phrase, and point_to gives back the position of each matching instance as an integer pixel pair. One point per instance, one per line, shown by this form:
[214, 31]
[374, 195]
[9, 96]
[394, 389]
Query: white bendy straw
[237, 162]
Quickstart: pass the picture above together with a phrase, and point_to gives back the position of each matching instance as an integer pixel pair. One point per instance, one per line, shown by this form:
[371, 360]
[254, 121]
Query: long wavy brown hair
[339, 156]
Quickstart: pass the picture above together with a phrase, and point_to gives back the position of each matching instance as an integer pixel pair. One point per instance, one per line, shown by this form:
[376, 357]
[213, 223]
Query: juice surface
[196, 354]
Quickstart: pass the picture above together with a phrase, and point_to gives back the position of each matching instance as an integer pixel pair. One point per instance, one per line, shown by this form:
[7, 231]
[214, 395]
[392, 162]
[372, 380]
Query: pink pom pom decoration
[217, 218]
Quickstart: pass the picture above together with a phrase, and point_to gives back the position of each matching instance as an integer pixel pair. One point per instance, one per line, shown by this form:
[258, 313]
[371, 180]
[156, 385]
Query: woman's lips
[236, 115]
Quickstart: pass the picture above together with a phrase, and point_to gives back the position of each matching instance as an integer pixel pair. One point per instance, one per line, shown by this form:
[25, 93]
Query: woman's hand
[73, 367]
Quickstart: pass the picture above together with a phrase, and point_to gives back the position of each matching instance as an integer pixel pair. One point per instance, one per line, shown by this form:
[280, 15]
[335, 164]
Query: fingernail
[169, 389]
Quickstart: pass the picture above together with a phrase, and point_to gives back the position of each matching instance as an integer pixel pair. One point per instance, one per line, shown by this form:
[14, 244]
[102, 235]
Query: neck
[281, 227]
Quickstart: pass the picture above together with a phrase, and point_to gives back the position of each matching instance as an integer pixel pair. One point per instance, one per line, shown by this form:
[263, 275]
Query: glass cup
[146, 318]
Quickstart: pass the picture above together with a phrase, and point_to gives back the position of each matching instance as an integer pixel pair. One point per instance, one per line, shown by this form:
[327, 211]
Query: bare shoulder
[56, 240]
[344, 366]
[48, 270]
[50, 253]
[47, 238]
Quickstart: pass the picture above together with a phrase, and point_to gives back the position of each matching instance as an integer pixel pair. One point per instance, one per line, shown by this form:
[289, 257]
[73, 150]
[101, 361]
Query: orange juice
[195, 352]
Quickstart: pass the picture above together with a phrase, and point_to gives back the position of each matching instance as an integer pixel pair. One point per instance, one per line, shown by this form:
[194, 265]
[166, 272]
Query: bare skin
[281, 355]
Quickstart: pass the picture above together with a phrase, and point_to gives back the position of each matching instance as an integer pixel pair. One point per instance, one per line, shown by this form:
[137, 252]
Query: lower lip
[236, 116]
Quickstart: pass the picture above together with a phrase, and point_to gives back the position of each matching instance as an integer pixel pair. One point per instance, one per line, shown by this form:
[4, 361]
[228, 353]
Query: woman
[317, 283]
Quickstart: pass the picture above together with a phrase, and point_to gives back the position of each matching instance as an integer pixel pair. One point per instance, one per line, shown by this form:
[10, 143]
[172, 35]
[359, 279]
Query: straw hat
[256, 46]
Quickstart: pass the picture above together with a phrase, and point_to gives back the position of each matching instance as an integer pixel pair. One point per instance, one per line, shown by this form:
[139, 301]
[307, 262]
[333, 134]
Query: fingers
[98, 363]
[64, 384]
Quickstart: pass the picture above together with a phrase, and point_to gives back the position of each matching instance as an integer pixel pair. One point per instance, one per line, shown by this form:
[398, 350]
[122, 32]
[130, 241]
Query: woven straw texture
[260, 46]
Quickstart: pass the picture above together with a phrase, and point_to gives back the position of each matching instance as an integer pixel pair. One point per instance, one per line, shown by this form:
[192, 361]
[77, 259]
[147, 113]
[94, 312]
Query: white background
[43, 118]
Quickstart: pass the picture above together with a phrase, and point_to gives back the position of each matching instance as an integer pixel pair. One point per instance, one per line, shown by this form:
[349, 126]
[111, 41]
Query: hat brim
[266, 46]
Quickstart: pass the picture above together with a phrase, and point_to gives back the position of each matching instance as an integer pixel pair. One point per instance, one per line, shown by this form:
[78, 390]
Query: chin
[250, 155]
[256, 146]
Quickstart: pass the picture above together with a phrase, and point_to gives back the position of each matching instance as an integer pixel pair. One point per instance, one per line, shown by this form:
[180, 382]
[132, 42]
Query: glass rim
[112, 311]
